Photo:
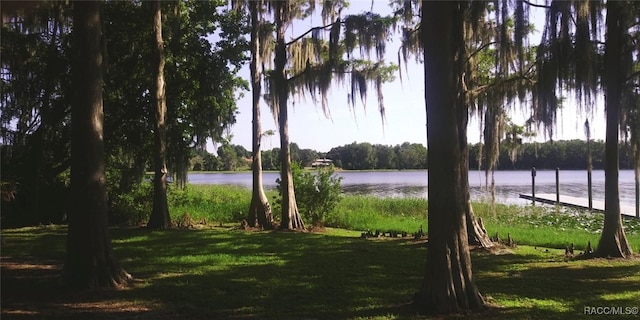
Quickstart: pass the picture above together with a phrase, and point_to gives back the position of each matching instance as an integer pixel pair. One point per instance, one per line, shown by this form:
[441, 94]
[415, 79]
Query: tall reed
[383, 214]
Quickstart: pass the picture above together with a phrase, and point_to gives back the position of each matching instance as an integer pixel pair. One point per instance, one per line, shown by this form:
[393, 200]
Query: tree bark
[613, 242]
[476, 233]
[291, 218]
[160, 218]
[90, 261]
[448, 285]
[259, 210]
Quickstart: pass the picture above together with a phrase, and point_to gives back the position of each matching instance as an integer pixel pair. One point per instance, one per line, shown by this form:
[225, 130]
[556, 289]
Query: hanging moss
[314, 64]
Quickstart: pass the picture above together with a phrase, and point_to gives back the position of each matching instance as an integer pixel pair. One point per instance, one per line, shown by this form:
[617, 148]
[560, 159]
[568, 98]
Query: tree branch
[633, 75]
[536, 5]
[476, 91]
[309, 31]
[308, 69]
[482, 47]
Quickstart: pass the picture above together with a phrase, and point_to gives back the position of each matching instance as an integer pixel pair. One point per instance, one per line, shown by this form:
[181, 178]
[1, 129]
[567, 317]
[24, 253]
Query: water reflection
[386, 190]
[509, 184]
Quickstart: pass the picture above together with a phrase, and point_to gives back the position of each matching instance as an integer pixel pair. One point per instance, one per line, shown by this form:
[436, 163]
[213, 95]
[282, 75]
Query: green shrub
[317, 193]
[134, 207]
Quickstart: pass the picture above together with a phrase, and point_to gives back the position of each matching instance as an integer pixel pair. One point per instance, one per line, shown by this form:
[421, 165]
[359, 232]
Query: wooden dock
[575, 202]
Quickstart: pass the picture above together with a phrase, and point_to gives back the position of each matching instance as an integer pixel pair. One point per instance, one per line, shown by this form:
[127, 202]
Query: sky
[405, 118]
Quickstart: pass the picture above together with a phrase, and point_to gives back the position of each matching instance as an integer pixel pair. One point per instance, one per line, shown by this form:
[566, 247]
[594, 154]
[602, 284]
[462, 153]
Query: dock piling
[589, 189]
[557, 186]
[637, 195]
[533, 186]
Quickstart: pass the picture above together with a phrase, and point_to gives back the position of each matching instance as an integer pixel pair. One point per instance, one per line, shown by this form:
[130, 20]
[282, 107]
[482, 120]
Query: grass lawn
[221, 273]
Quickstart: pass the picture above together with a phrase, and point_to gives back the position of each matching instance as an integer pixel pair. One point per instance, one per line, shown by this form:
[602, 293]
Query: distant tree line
[366, 156]
[232, 157]
[564, 154]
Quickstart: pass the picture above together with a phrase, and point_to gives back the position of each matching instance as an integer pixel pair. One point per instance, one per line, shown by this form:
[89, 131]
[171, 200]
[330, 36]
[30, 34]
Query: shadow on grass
[221, 274]
[213, 275]
[534, 286]
[288, 275]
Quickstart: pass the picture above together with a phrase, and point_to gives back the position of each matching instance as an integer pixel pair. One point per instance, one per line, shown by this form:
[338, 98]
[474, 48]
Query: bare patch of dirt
[13, 264]
[317, 229]
[497, 249]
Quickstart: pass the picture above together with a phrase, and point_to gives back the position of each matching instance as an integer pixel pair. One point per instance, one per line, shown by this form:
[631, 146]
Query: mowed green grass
[221, 273]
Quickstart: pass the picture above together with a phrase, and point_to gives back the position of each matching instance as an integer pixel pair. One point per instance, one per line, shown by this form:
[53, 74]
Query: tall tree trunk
[90, 261]
[291, 218]
[448, 285]
[613, 241]
[160, 215]
[259, 210]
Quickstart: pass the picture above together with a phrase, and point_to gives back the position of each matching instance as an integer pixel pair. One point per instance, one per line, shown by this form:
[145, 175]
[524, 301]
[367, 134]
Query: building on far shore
[324, 162]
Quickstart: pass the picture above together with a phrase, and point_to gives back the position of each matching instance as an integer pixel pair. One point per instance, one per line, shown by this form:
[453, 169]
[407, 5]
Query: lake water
[509, 184]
